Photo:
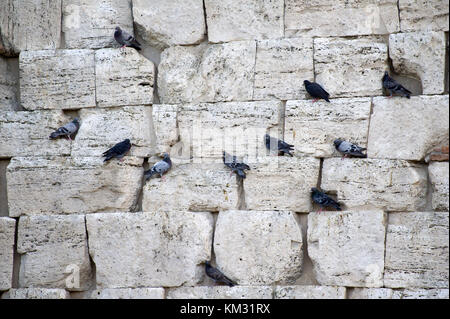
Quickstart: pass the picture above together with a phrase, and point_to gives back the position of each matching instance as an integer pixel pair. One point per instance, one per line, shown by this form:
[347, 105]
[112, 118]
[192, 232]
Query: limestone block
[155, 249]
[281, 67]
[438, 173]
[312, 127]
[163, 23]
[9, 80]
[90, 24]
[36, 293]
[374, 293]
[7, 230]
[77, 185]
[221, 292]
[29, 25]
[420, 55]
[101, 129]
[265, 185]
[357, 75]
[309, 292]
[259, 247]
[128, 293]
[55, 252]
[207, 73]
[165, 126]
[423, 15]
[407, 129]
[123, 77]
[193, 187]
[425, 294]
[417, 250]
[347, 248]
[57, 79]
[393, 185]
[337, 18]
[234, 20]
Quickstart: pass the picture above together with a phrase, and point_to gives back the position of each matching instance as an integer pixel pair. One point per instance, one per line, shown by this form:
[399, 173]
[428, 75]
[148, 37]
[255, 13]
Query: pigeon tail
[241, 173]
[228, 281]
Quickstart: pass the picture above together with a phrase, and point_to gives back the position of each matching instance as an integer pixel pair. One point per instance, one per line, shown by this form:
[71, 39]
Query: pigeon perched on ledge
[281, 146]
[67, 130]
[126, 39]
[394, 87]
[323, 200]
[231, 162]
[117, 151]
[160, 167]
[348, 148]
[316, 91]
[217, 275]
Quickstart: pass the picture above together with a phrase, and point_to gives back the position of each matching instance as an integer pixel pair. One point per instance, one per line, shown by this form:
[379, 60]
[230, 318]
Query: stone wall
[217, 75]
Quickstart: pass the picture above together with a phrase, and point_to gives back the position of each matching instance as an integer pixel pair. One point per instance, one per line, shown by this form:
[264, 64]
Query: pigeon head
[386, 75]
[165, 155]
[207, 263]
[337, 142]
[118, 29]
[306, 82]
[314, 190]
[266, 137]
[76, 120]
[127, 141]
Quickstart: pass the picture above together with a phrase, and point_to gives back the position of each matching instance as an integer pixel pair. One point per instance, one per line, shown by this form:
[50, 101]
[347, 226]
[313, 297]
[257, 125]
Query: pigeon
[316, 91]
[394, 87]
[118, 151]
[348, 148]
[232, 162]
[67, 130]
[126, 39]
[323, 200]
[281, 146]
[217, 275]
[160, 168]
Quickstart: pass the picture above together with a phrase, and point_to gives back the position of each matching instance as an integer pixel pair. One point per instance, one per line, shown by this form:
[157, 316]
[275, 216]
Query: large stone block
[220, 292]
[393, 185]
[155, 249]
[347, 248]
[128, 293]
[7, 233]
[36, 293]
[63, 185]
[164, 118]
[259, 247]
[9, 80]
[312, 127]
[309, 292]
[439, 173]
[407, 128]
[387, 293]
[417, 250]
[55, 252]
[425, 15]
[359, 74]
[57, 79]
[425, 294]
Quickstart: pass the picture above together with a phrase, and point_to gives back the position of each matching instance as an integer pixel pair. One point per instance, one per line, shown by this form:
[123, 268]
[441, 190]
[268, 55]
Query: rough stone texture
[36, 293]
[234, 20]
[281, 67]
[425, 15]
[221, 292]
[439, 173]
[165, 126]
[374, 293]
[336, 18]
[420, 55]
[59, 185]
[347, 248]
[90, 24]
[393, 185]
[123, 77]
[55, 252]
[29, 25]
[417, 250]
[8, 84]
[163, 23]
[425, 294]
[207, 73]
[312, 127]
[359, 74]
[155, 249]
[309, 292]
[265, 185]
[259, 247]
[7, 230]
[128, 293]
[57, 79]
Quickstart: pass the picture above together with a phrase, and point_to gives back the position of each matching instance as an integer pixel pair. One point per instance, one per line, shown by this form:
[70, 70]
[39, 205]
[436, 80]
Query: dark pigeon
[323, 200]
[217, 275]
[126, 39]
[237, 167]
[67, 130]
[394, 87]
[160, 167]
[316, 91]
[281, 146]
[118, 151]
[348, 148]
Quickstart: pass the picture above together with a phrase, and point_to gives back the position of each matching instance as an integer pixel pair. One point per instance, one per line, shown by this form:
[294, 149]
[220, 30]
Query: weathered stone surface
[420, 55]
[57, 79]
[29, 25]
[8, 84]
[417, 250]
[357, 75]
[207, 73]
[336, 18]
[89, 24]
[7, 230]
[36, 293]
[193, 187]
[165, 126]
[221, 292]
[234, 20]
[309, 292]
[347, 248]
[374, 293]
[265, 185]
[55, 252]
[63, 185]
[281, 67]
[407, 128]
[163, 23]
[393, 185]
[259, 247]
[123, 77]
[423, 15]
[439, 173]
[155, 249]
[312, 127]
[128, 293]
[425, 294]
[101, 129]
